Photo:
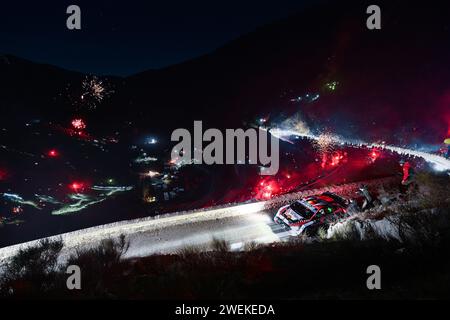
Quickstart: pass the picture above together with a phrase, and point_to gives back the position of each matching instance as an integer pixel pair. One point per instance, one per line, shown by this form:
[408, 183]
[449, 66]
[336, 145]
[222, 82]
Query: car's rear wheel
[312, 231]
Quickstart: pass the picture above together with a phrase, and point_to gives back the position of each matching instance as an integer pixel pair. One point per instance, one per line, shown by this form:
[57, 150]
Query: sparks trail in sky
[93, 91]
[324, 143]
[374, 155]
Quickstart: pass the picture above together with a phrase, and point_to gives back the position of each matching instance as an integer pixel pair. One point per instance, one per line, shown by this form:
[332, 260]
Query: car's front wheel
[312, 230]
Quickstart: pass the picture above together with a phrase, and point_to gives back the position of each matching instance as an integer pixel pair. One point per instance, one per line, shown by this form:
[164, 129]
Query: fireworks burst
[78, 124]
[325, 142]
[94, 91]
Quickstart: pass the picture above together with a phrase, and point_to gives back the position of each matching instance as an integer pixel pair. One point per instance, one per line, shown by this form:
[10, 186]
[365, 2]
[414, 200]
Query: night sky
[125, 37]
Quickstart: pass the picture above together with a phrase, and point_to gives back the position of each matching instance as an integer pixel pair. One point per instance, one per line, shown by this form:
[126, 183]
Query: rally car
[308, 214]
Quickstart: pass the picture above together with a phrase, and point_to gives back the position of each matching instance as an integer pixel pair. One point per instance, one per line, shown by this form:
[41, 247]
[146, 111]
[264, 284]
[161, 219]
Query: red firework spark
[374, 155]
[334, 159]
[78, 124]
[266, 189]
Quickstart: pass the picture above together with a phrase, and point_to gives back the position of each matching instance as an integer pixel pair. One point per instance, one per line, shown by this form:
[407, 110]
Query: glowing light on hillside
[332, 86]
[17, 210]
[374, 155]
[3, 174]
[266, 189]
[53, 153]
[77, 186]
[151, 174]
[334, 159]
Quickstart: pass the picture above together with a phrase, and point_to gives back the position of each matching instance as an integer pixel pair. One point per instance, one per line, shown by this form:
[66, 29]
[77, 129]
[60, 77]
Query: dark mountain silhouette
[392, 83]
[31, 89]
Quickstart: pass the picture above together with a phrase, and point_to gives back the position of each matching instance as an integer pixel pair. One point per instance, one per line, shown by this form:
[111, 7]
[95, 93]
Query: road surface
[238, 224]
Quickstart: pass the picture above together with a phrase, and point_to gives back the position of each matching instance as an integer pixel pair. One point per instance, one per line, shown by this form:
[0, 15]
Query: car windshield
[302, 210]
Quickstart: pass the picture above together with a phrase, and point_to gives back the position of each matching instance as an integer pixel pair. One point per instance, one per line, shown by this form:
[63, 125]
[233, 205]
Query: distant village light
[151, 174]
